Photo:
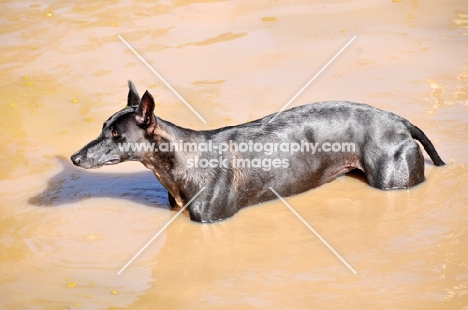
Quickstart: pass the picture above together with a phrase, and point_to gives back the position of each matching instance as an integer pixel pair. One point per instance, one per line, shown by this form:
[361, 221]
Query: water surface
[65, 232]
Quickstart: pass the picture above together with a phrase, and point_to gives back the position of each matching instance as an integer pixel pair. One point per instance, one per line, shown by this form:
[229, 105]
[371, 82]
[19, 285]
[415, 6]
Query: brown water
[65, 232]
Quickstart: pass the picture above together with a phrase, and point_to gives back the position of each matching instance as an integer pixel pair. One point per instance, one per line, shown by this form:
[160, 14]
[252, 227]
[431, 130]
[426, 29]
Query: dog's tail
[419, 135]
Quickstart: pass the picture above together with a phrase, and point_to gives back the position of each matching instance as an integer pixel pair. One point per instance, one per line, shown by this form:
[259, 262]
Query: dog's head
[132, 125]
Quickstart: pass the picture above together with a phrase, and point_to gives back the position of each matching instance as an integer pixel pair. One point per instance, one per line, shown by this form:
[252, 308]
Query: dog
[233, 170]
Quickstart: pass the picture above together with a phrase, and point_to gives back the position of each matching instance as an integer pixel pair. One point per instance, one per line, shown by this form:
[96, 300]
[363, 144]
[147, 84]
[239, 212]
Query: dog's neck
[170, 132]
[163, 163]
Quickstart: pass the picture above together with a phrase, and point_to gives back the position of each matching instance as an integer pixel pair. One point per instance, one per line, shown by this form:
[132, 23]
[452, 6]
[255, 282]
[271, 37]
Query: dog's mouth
[112, 162]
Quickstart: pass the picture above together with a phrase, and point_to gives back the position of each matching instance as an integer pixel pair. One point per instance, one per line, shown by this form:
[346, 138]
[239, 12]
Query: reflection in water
[65, 232]
[72, 185]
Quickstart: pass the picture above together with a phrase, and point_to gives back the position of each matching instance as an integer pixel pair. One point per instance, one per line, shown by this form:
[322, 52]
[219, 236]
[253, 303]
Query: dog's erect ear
[133, 97]
[145, 112]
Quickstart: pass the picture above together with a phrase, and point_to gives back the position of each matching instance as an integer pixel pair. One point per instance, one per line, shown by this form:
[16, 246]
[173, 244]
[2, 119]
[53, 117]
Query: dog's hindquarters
[400, 168]
[400, 164]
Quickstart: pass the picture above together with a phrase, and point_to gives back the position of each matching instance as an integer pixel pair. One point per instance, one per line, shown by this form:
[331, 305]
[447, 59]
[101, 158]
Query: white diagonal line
[159, 232]
[162, 79]
[313, 230]
[312, 79]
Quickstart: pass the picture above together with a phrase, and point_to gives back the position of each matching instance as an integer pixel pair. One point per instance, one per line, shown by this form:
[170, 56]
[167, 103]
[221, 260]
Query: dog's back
[379, 143]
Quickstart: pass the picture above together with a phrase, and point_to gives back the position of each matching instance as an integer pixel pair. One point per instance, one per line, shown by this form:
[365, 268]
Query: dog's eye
[114, 133]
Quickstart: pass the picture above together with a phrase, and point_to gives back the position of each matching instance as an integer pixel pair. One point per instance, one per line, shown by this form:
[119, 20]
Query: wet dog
[302, 148]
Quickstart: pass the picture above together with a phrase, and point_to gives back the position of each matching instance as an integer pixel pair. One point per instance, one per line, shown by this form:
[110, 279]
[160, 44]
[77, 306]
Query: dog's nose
[76, 159]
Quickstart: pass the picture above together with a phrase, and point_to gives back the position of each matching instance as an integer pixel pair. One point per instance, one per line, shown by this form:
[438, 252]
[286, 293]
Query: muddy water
[65, 232]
